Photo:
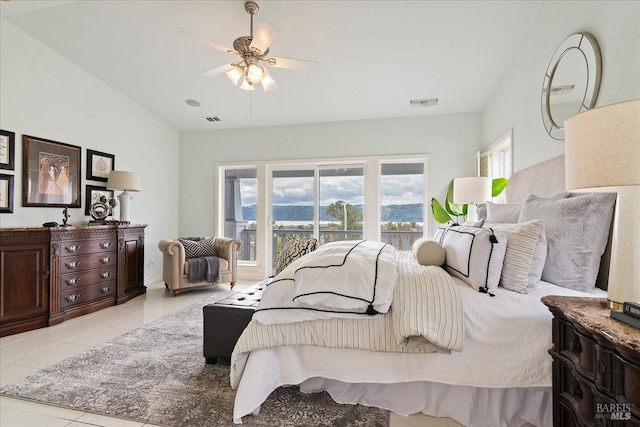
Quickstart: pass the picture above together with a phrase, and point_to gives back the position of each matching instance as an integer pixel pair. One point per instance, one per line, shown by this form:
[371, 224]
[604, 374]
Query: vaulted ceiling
[375, 56]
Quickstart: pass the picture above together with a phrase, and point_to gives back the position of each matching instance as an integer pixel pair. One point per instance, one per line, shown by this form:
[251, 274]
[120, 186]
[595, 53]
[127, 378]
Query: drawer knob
[105, 260]
[602, 367]
[575, 391]
[105, 290]
[105, 245]
[72, 248]
[72, 298]
[105, 274]
[72, 281]
[575, 347]
[71, 265]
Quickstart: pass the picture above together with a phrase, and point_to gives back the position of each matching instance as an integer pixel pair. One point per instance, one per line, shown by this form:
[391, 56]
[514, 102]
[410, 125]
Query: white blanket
[426, 316]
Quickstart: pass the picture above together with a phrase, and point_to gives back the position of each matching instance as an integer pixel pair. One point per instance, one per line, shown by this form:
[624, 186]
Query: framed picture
[50, 173]
[7, 149]
[93, 195]
[6, 193]
[99, 165]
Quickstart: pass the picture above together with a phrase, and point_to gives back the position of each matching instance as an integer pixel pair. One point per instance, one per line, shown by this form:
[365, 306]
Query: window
[402, 199]
[497, 161]
[240, 204]
[380, 198]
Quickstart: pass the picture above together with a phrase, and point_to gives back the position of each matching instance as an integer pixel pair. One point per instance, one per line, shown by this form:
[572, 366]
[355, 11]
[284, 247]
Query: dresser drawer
[81, 279]
[576, 347]
[72, 264]
[87, 294]
[82, 247]
[576, 392]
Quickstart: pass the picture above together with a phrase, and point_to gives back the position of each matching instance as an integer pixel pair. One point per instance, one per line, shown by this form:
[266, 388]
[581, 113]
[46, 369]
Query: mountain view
[396, 213]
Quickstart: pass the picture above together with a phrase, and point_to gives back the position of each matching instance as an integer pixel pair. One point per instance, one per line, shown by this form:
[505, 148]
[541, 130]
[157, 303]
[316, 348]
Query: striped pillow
[294, 249]
[197, 248]
[522, 241]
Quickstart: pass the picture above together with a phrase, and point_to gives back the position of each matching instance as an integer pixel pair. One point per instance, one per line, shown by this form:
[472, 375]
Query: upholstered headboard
[546, 179]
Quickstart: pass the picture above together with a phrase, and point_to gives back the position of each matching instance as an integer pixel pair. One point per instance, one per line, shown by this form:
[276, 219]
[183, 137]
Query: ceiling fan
[254, 50]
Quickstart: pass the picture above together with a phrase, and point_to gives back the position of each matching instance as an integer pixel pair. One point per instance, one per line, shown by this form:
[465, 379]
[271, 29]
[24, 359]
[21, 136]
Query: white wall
[43, 94]
[516, 102]
[452, 140]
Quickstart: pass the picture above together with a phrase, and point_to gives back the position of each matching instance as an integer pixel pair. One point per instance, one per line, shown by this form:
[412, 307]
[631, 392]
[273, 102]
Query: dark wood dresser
[48, 275]
[596, 365]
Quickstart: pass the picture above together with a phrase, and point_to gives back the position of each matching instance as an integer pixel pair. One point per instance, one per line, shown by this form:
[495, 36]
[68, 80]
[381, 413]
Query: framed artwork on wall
[99, 165]
[93, 195]
[7, 149]
[50, 173]
[6, 193]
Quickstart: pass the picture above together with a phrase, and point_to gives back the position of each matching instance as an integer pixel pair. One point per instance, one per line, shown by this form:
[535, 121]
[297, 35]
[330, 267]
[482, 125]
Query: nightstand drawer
[576, 392]
[576, 347]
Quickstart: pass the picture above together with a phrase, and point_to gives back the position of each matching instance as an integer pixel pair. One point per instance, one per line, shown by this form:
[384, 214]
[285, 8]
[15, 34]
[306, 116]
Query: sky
[396, 190]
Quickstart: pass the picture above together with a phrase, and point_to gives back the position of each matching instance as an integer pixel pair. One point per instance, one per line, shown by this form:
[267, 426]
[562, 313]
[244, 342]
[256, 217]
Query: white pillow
[522, 243]
[577, 230]
[429, 252]
[474, 256]
[503, 212]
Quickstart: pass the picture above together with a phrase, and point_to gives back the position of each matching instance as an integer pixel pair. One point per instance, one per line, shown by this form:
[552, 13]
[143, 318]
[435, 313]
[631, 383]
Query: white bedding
[506, 343]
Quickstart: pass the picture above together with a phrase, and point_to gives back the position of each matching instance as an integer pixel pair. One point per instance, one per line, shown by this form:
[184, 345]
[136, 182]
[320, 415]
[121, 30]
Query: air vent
[428, 102]
[213, 119]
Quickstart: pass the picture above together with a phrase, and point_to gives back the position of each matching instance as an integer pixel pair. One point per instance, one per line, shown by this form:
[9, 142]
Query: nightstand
[596, 365]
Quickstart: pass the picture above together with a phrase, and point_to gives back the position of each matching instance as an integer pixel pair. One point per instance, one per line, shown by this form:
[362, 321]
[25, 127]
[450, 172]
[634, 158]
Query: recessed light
[428, 102]
[192, 102]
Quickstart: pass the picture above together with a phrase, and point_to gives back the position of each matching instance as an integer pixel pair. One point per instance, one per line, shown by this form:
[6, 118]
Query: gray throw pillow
[577, 230]
[197, 247]
[506, 213]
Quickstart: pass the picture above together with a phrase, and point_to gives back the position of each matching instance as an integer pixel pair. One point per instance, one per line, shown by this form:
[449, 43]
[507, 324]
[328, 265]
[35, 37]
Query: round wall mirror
[571, 82]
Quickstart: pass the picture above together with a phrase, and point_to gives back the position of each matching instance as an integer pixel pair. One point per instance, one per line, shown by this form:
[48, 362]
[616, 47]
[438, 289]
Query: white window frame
[260, 268]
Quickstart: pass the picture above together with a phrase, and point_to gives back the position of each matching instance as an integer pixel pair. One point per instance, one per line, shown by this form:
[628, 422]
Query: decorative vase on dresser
[48, 275]
[596, 365]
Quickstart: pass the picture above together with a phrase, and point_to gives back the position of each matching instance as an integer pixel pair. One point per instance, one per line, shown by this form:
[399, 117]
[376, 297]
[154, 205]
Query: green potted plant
[444, 214]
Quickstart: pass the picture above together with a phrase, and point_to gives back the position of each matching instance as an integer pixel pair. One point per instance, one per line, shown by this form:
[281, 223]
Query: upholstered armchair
[175, 269]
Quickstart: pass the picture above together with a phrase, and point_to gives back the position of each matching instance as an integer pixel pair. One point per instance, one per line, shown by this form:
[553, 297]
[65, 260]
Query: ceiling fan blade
[293, 64]
[217, 70]
[264, 35]
[209, 43]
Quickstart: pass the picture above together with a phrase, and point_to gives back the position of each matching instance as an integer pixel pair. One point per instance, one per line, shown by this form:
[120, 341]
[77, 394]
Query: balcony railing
[401, 240]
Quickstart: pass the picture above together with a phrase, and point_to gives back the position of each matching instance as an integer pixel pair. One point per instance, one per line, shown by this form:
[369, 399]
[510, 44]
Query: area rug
[156, 374]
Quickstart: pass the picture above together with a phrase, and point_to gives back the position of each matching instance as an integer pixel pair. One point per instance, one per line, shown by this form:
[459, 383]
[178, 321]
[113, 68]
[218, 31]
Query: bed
[501, 376]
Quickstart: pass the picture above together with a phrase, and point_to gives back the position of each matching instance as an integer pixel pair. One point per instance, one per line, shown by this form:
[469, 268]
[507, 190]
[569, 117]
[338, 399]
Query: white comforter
[506, 342]
[425, 316]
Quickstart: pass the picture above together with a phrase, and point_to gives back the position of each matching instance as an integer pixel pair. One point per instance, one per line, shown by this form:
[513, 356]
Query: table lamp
[126, 181]
[602, 154]
[471, 190]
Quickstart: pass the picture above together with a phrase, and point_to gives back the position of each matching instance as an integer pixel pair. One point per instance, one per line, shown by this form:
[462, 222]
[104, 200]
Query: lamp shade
[123, 180]
[474, 189]
[602, 147]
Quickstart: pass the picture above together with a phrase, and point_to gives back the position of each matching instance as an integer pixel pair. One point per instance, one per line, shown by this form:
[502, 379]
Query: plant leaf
[498, 185]
[439, 213]
[454, 208]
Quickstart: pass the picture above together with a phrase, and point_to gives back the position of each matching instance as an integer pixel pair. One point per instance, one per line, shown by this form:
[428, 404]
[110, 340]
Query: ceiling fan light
[246, 85]
[255, 73]
[268, 82]
[234, 74]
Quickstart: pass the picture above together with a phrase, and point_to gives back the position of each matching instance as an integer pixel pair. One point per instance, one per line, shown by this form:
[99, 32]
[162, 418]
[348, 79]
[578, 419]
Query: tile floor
[28, 352]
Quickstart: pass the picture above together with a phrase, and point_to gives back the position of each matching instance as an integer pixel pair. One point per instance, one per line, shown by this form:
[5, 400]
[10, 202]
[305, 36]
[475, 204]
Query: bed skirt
[267, 369]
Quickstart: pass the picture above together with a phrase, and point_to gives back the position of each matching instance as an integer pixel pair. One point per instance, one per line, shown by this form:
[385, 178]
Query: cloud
[395, 189]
